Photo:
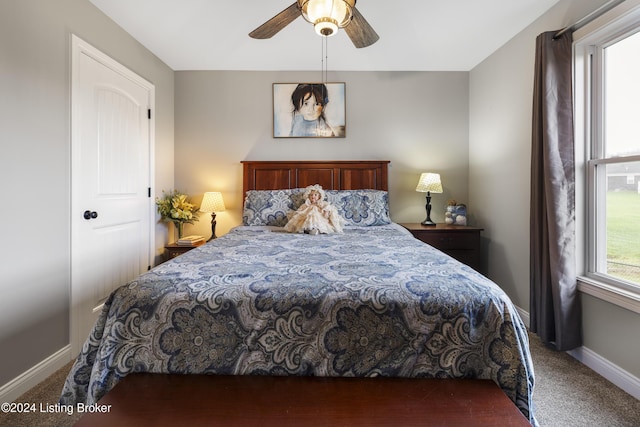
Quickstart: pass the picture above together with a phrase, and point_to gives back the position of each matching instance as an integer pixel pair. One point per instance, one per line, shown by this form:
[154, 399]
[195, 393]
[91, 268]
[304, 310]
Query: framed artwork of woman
[309, 110]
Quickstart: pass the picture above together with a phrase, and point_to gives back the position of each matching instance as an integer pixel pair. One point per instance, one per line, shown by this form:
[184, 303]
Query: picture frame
[294, 116]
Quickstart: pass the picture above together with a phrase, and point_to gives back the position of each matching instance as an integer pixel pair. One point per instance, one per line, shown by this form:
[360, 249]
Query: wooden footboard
[169, 400]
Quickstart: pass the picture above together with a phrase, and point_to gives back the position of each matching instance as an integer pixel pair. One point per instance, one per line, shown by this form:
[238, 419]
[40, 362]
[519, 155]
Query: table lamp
[429, 183]
[212, 202]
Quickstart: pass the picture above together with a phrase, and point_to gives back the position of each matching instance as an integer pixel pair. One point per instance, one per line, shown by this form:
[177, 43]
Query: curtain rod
[590, 17]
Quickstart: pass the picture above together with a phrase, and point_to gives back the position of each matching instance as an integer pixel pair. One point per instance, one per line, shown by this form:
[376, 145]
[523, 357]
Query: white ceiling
[415, 35]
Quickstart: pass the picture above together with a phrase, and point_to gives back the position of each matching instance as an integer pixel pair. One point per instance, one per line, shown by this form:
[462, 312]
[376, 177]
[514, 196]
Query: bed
[372, 301]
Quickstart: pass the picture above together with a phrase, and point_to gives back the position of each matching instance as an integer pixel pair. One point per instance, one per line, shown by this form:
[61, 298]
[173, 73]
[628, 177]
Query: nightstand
[173, 250]
[462, 242]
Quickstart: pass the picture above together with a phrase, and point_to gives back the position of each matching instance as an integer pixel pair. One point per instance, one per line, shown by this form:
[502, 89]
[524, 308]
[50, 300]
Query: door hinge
[149, 192]
[149, 113]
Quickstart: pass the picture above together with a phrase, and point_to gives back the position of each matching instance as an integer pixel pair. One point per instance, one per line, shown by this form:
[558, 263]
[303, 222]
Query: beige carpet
[567, 393]
[47, 391]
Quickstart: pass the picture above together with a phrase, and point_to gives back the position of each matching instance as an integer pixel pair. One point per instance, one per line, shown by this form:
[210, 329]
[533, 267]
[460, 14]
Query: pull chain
[323, 77]
[324, 59]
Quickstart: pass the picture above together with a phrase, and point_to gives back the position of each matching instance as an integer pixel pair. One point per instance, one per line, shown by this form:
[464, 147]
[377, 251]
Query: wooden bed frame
[249, 400]
[167, 400]
[331, 175]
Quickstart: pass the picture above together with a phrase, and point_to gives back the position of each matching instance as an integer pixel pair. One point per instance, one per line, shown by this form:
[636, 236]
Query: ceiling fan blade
[277, 23]
[360, 32]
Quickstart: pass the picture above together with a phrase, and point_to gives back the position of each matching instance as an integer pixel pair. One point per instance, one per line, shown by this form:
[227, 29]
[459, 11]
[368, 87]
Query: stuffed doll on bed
[315, 215]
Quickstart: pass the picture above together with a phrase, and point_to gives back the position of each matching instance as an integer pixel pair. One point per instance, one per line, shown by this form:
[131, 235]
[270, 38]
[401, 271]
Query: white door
[111, 195]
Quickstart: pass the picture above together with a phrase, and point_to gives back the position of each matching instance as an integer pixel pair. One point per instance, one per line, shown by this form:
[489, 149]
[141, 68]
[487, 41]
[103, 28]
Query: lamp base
[213, 227]
[428, 208]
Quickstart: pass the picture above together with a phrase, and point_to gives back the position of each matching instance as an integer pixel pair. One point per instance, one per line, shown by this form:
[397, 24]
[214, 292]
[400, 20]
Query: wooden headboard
[331, 175]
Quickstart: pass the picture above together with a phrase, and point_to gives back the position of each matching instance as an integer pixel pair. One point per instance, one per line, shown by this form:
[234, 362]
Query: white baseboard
[612, 372]
[34, 376]
[618, 376]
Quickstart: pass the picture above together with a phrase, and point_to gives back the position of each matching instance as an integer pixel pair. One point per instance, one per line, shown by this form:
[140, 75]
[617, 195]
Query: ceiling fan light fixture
[327, 15]
[326, 27]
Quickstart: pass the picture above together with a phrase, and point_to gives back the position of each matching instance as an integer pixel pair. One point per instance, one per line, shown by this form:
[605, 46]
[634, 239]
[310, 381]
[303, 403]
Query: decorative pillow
[270, 207]
[361, 207]
[357, 207]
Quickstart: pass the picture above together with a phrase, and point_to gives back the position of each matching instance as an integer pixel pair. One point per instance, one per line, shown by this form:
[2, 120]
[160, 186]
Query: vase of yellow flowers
[175, 207]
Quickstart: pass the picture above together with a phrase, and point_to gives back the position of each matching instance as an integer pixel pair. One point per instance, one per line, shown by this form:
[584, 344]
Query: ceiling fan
[327, 16]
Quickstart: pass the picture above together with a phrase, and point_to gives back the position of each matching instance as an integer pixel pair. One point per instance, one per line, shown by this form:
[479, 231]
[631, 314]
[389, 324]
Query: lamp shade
[327, 15]
[212, 202]
[429, 182]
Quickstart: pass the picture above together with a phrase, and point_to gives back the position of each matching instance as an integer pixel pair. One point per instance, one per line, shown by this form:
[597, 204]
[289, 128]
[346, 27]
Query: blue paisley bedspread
[373, 301]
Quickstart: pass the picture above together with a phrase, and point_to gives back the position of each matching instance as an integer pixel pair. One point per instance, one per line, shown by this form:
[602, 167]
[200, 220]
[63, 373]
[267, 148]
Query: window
[607, 70]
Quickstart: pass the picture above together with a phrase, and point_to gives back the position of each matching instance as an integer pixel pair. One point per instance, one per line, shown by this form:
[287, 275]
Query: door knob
[90, 214]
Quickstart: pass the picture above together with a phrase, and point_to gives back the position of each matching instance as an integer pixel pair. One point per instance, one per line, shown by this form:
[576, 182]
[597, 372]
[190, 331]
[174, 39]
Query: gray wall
[418, 120]
[501, 93]
[35, 63]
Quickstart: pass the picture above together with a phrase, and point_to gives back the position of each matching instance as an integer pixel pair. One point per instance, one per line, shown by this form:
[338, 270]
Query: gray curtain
[555, 306]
